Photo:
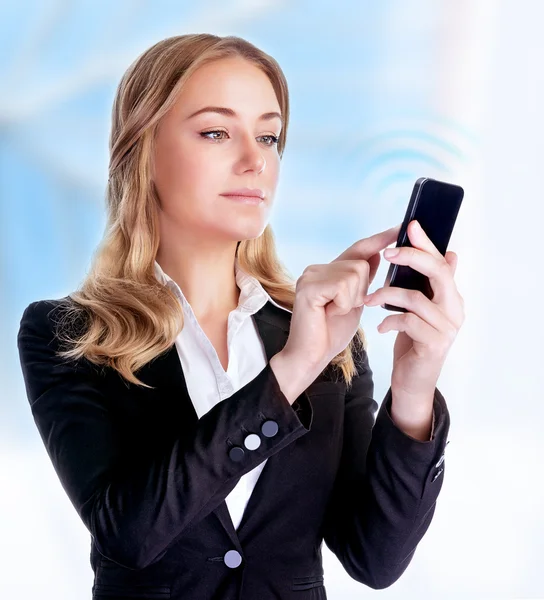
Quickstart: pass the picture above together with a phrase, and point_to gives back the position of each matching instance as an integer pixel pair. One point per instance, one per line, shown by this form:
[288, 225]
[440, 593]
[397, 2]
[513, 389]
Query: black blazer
[149, 479]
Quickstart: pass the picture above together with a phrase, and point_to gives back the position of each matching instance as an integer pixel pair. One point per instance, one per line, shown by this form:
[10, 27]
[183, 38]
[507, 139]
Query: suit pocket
[300, 584]
[111, 592]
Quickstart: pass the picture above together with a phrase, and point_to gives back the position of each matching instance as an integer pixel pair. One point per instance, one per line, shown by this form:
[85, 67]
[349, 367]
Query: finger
[418, 330]
[419, 239]
[414, 301]
[373, 264]
[452, 260]
[348, 295]
[435, 268]
[333, 310]
[367, 247]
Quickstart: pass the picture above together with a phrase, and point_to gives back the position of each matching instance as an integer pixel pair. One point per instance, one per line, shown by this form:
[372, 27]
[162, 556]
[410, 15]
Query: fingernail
[390, 252]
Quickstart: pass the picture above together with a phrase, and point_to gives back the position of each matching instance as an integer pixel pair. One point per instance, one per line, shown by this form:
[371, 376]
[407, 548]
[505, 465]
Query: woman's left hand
[428, 329]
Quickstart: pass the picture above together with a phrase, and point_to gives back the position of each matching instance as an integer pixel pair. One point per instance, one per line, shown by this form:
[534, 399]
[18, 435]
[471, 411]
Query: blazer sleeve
[134, 516]
[387, 485]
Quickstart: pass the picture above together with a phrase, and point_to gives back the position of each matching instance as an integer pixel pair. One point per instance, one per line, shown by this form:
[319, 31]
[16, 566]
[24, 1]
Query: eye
[206, 133]
[273, 140]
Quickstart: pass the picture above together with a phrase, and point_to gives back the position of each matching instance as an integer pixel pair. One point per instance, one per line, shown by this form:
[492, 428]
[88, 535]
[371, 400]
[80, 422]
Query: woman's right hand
[329, 303]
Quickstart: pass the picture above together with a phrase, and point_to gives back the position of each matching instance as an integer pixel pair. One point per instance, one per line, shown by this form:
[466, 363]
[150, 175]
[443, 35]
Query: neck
[206, 276]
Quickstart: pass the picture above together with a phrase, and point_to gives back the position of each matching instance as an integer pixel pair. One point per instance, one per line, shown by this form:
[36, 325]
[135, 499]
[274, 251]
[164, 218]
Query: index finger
[367, 247]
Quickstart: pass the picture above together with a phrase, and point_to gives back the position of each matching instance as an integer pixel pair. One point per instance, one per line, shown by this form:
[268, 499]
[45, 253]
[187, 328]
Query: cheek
[273, 173]
[181, 168]
[274, 170]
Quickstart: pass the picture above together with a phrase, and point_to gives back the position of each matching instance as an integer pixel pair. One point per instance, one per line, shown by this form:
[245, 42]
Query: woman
[212, 421]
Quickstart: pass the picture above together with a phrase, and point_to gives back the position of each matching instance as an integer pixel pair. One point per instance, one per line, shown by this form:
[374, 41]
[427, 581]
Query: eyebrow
[228, 112]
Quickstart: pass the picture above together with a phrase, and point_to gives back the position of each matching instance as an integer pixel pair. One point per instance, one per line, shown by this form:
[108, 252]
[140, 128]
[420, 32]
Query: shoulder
[41, 311]
[42, 316]
[42, 308]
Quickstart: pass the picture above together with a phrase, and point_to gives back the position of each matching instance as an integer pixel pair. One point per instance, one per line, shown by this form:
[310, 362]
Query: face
[199, 158]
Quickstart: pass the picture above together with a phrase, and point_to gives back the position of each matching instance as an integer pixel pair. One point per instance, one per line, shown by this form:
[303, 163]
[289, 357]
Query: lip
[247, 192]
[245, 199]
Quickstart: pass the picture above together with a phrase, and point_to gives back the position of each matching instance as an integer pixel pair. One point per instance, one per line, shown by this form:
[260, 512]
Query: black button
[269, 428]
[236, 454]
[232, 559]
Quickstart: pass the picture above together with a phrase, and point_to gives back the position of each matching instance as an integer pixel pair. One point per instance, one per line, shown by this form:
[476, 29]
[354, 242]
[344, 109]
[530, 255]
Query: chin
[250, 233]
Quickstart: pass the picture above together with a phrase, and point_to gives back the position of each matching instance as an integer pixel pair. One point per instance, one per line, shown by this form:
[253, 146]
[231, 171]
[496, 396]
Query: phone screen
[435, 204]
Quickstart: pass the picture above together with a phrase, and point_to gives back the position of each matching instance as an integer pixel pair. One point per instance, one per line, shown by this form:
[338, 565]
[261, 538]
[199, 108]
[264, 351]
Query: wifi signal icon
[383, 164]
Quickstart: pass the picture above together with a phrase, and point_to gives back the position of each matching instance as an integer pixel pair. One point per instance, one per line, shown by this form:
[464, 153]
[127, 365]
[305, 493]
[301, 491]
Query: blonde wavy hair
[130, 317]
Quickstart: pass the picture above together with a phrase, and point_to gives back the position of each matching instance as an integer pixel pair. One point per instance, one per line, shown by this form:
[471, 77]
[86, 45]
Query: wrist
[292, 378]
[413, 415]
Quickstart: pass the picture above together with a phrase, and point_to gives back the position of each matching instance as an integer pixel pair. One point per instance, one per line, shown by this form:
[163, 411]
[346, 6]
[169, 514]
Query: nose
[252, 157]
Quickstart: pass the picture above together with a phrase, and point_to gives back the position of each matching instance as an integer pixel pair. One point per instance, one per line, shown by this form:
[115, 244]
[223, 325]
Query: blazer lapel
[273, 326]
[166, 371]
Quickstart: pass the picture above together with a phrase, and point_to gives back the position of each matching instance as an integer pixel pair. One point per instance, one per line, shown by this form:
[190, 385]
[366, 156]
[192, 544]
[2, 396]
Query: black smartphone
[435, 205]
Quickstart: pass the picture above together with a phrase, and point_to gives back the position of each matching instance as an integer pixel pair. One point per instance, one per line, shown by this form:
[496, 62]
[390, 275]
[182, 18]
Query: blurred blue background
[381, 93]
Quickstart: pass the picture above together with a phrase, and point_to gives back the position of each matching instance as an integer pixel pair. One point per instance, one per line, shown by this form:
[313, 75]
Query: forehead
[234, 83]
